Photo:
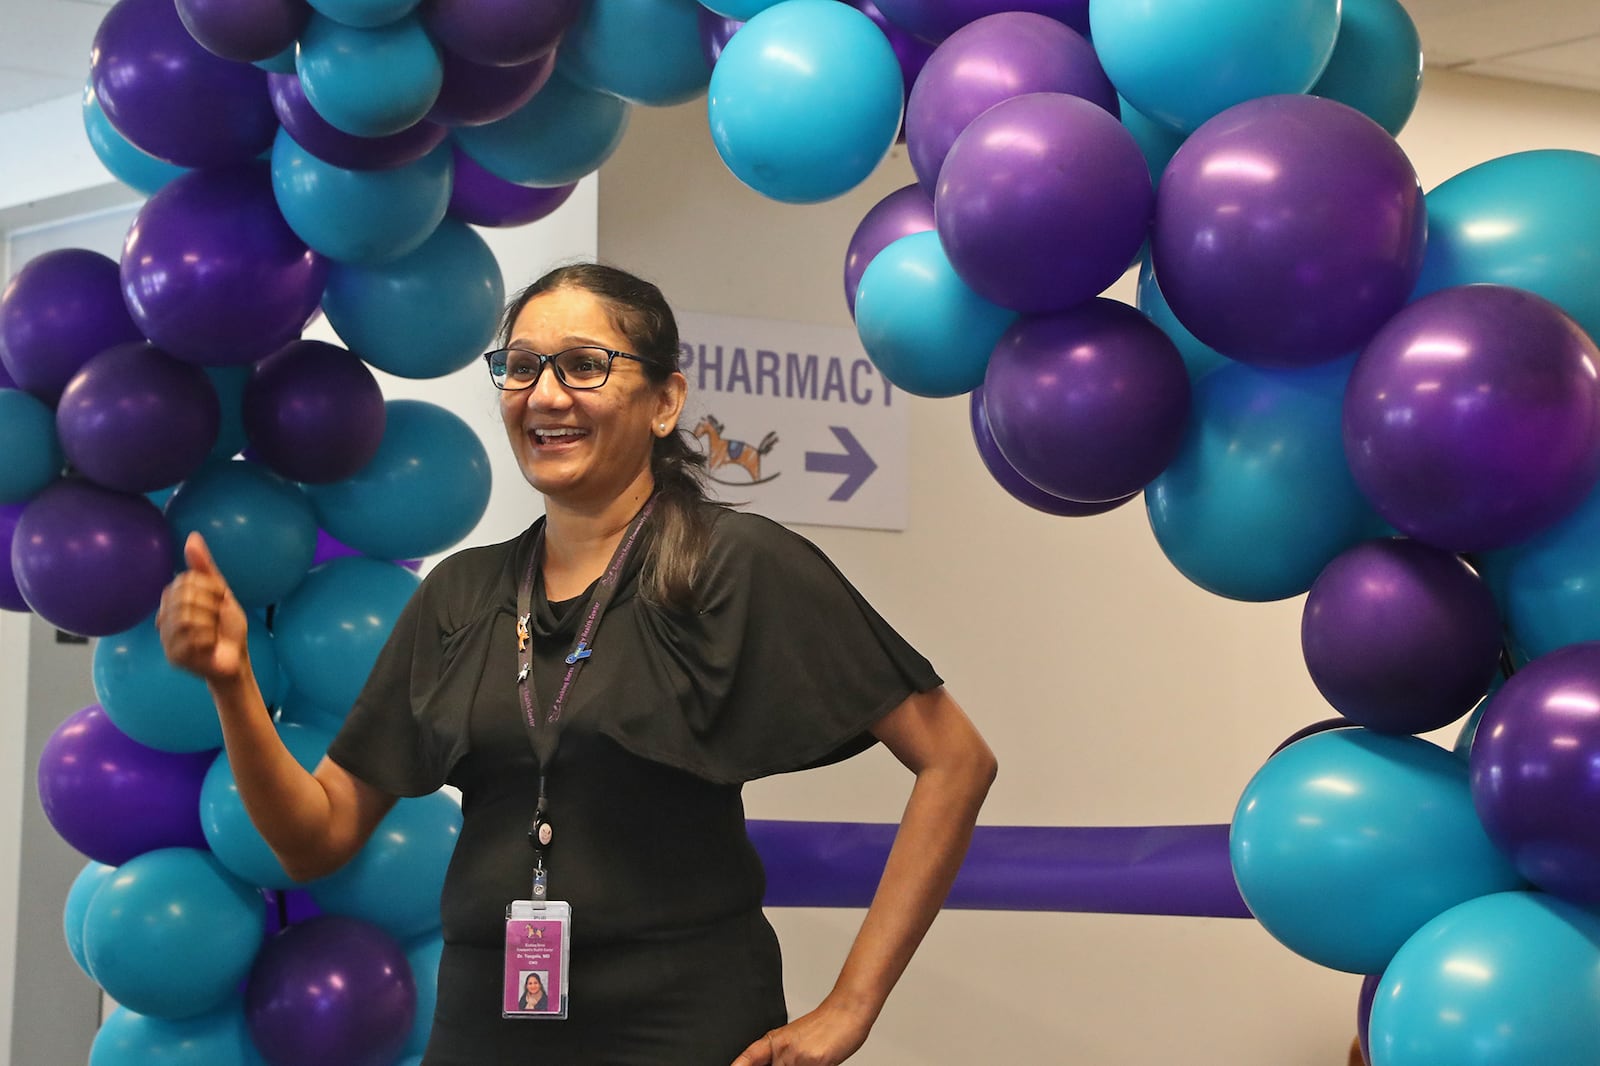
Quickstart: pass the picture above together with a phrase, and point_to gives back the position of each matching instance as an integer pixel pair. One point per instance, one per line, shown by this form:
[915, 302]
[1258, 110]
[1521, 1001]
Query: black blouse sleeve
[783, 667]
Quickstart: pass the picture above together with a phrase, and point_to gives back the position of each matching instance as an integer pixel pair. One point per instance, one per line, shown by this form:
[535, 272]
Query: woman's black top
[782, 666]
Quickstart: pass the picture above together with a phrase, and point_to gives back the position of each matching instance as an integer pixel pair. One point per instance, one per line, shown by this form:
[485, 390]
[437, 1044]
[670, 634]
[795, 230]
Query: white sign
[796, 422]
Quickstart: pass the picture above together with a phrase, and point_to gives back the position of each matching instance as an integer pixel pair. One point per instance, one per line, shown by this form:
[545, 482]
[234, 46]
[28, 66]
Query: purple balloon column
[900, 214]
[331, 991]
[1534, 777]
[314, 412]
[1400, 637]
[1021, 489]
[1472, 420]
[1288, 229]
[61, 309]
[212, 272]
[319, 137]
[112, 798]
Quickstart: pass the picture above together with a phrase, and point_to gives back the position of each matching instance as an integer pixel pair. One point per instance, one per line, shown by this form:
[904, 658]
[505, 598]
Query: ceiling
[44, 44]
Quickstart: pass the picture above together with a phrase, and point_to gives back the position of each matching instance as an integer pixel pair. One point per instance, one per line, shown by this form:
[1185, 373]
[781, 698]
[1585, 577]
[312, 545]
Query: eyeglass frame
[612, 355]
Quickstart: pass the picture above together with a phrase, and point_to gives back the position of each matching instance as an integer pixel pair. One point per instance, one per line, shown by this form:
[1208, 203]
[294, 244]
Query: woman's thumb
[198, 556]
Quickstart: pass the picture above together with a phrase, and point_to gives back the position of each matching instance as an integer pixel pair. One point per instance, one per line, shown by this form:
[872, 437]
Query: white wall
[1113, 691]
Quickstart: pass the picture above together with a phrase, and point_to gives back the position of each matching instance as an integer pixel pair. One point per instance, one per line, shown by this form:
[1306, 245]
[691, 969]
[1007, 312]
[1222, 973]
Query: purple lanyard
[546, 737]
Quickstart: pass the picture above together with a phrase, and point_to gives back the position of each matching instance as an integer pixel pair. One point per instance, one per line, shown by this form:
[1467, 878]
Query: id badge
[538, 940]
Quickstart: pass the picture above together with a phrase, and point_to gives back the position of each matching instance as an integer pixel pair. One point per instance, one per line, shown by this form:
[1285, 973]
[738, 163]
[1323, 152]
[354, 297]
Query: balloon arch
[1330, 384]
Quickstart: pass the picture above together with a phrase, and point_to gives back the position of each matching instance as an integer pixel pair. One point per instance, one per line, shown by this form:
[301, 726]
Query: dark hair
[684, 512]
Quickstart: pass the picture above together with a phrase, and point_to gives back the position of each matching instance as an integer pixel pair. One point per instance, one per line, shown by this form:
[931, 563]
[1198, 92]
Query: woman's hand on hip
[203, 628]
[825, 1037]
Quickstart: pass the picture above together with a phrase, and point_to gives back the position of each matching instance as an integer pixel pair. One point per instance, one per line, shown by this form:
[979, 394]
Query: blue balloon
[331, 629]
[33, 455]
[84, 886]
[424, 315]
[1347, 842]
[564, 133]
[260, 528]
[295, 709]
[1183, 61]
[644, 51]
[422, 493]
[369, 82]
[1549, 586]
[1376, 66]
[1198, 357]
[221, 1038]
[159, 705]
[1260, 497]
[921, 325]
[1529, 220]
[172, 933]
[395, 881]
[360, 216]
[423, 958]
[230, 834]
[364, 14]
[1156, 142]
[1507, 978]
[229, 383]
[134, 167]
[806, 100]
[282, 63]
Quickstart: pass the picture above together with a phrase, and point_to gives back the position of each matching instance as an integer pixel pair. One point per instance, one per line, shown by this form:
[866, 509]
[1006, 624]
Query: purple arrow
[854, 462]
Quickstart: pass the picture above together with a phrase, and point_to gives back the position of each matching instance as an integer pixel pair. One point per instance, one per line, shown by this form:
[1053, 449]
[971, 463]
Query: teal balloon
[1529, 220]
[395, 880]
[135, 168]
[1156, 142]
[160, 705]
[331, 629]
[644, 51]
[1260, 497]
[84, 886]
[295, 709]
[260, 527]
[230, 834]
[921, 325]
[1549, 587]
[172, 933]
[1183, 61]
[563, 134]
[423, 957]
[360, 216]
[1376, 66]
[424, 315]
[1347, 842]
[805, 100]
[33, 455]
[369, 82]
[1510, 978]
[282, 63]
[229, 383]
[1198, 358]
[365, 14]
[221, 1038]
[423, 492]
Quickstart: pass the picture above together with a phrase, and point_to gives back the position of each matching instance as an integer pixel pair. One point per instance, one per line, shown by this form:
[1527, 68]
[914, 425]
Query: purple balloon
[313, 412]
[212, 272]
[1312, 730]
[245, 31]
[331, 991]
[1288, 230]
[89, 560]
[10, 596]
[1534, 777]
[59, 310]
[474, 94]
[1369, 992]
[997, 58]
[112, 798]
[172, 98]
[1043, 201]
[900, 214]
[501, 33]
[316, 135]
[1020, 488]
[715, 30]
[1090, 404]
[135, 419]
[1472, 420]
[288, 907]
[479, 198]
[1400, 637]
[934, 20]
[330, 547]
[6, 380]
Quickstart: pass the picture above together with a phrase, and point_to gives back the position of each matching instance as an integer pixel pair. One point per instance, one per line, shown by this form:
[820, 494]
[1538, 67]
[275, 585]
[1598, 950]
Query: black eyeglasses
[515, 369]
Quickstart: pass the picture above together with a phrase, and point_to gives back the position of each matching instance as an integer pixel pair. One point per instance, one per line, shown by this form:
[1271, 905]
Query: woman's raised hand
[202, 626]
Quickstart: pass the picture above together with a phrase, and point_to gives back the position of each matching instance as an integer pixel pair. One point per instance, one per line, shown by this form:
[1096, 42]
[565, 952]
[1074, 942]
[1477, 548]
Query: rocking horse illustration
[723, 452]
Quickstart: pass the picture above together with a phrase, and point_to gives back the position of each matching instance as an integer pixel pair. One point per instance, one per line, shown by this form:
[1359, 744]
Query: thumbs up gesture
[203, 628]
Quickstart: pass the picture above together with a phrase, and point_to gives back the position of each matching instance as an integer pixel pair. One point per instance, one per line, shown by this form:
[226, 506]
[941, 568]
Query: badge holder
[538, 943]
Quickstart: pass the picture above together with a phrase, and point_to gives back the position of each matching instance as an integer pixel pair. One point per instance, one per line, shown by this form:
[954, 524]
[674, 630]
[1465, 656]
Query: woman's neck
[579, 540]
